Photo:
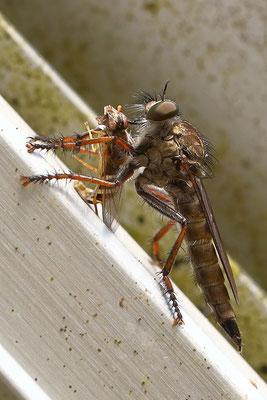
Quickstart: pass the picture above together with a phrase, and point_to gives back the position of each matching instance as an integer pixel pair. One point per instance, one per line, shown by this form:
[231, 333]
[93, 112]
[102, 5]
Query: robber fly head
[161, 110]
[155, 107]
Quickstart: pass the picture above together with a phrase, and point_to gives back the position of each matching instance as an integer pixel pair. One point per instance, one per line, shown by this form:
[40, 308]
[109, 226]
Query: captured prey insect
[111, 160]
[175, 158]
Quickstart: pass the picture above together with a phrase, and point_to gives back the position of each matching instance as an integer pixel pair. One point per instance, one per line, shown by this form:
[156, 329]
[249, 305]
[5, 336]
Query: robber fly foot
[171, 299]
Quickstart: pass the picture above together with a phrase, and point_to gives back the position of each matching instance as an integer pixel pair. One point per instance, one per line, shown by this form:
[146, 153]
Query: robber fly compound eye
[162, 110]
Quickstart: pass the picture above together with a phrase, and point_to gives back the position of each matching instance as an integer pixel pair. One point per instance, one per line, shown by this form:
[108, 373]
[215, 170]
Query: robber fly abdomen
[204, 261]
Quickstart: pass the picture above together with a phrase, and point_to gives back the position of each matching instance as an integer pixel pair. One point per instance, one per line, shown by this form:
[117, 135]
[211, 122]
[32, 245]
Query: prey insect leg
[155, 200]
[93, 192]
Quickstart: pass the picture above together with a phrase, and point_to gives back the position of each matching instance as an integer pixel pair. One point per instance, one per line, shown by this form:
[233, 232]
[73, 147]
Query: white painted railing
[80, 310]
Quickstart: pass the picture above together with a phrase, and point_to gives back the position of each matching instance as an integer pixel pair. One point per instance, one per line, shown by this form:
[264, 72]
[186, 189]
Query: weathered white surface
[63, 275]
[15, 377]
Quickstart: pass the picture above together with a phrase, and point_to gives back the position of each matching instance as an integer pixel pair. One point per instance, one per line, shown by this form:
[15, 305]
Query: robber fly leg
[63, 175]
[77, 145]
[167, 269]
[123, 177]
[107, 139]
[48, 143]
[160, 194]
[155, 200]
[155, 242]
[47, 139]
[171, 300]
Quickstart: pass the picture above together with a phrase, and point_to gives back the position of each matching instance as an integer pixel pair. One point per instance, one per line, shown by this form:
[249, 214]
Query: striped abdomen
[204, 261]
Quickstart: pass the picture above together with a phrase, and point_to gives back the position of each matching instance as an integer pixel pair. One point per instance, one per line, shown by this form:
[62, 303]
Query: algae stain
[31, 92]
[153, 7]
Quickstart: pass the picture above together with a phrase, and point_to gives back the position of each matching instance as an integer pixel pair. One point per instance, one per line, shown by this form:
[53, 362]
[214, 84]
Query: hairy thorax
[163, 152]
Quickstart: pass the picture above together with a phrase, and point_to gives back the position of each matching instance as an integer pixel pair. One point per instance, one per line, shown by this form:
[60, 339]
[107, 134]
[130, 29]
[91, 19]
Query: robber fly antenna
[164, 91]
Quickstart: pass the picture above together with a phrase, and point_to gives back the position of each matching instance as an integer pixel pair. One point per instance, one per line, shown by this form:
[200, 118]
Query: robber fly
[175, 158]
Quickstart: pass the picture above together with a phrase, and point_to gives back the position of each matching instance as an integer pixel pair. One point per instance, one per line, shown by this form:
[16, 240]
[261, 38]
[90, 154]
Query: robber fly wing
[205, 203]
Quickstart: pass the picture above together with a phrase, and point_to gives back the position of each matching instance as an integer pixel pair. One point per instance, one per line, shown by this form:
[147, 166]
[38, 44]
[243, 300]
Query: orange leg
[48, 143]
[93, 196]
[174, 251]
[171, 300]
[85, 164]
[90, 196]
[47, 139]
[166, 282]
[123, 177]
[157, 238]
[160, 194]
[77, 143]
[157, 199]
